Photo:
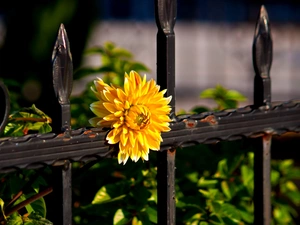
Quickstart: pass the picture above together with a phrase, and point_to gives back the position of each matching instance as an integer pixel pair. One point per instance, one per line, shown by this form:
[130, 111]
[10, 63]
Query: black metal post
[67, 193]
[63, 77]
[62, 83]
[165, 14]
[5, 107]
[262, 60]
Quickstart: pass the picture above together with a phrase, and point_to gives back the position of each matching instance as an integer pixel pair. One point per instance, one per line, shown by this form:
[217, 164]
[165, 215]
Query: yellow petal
[113, 136]
[109, 107]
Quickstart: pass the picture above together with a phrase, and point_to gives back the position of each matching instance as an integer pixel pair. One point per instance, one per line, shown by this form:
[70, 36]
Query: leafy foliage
[25, 120]
[15, 191]
[225, 99]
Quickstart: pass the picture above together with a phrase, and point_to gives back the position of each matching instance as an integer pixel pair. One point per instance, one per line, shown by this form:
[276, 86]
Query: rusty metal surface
[86, 144]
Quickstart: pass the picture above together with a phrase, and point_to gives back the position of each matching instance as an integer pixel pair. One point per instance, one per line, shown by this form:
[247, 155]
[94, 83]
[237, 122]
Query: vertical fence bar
[67, 193]
[165, 14]
[5, 106]
[262, 60]
[63, 77]
[62, 83]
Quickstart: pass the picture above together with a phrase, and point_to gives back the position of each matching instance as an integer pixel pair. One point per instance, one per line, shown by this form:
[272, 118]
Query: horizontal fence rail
[262, 120]
[86, 144]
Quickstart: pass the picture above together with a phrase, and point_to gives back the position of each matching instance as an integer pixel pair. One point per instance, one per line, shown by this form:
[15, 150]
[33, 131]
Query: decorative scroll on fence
[262, 119]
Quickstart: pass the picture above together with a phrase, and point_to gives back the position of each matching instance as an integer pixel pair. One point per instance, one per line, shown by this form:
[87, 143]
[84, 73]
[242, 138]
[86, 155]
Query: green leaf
[39, 181]
[215, 220]
[247, 175]
[45, 128]
[286, 165]
[121, 53]
[27, 119]
[14, 219]
[222, 169]
[228, 104]
[226, 189]
[291, 186]
[119, 218]
[136, 221]
[208, 93]
[193, 177]
[231, 212]
[294, 196]
[199, 109]
[39, 207]
[152, 214]
[141, 195]
[98, 50]
[2, 208]
[28, 207]
[216, 206]
[15, 182]
[207, 183]
[35, 219]
[213, 194]
[282, 215]
[101, 196]
[247, 215]
[235, 95]
[137, 66]
[204, 223]
[224, 98]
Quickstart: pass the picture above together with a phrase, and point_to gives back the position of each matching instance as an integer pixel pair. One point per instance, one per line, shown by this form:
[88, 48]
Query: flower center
[137, 117]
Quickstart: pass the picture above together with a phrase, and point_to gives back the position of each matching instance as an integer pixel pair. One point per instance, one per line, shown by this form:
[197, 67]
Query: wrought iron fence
[259, 121]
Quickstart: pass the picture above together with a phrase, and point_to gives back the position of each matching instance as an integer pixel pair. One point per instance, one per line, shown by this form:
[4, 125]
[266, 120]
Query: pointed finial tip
[263, 11]
[62, 26]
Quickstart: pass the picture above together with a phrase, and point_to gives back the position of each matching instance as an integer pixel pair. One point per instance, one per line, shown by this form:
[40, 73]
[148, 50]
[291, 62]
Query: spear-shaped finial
[62, 67]
[63, 76]
[166, 12]
[262, 45]
[262, 58]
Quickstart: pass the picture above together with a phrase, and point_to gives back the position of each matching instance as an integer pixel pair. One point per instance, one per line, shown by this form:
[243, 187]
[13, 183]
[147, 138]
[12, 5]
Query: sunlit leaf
[26, 120]
[235, 95]
[2, 208]
[207, 183]
[222, 169]
[208, 93]
[282, 215]
[14, 219]
[226, 189]
[136, 221]
[119, 218]
[101, 196]
[275, 177]
[36, 219]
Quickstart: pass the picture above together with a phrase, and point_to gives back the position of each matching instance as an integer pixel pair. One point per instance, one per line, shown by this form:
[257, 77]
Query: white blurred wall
[208, 54]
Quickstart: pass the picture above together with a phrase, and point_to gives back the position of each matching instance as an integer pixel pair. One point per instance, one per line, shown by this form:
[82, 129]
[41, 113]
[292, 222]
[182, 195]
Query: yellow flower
[135, 114]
